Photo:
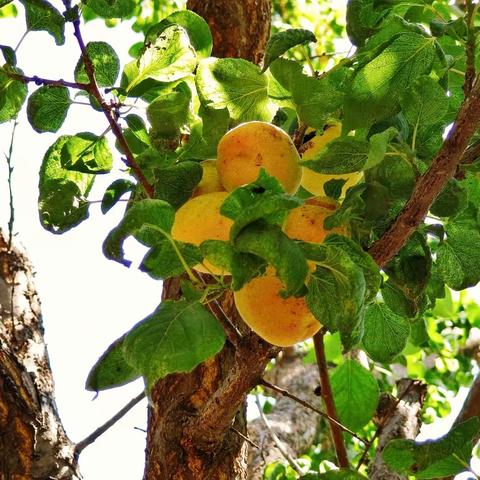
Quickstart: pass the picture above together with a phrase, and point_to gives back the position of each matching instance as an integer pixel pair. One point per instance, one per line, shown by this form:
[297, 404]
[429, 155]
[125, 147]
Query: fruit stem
[327, 395]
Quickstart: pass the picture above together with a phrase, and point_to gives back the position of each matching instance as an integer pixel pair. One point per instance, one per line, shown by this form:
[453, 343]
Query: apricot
[250, 146]
[280, 321]
[210, 181]
[306, 222]
[199, 219]
[313, 181]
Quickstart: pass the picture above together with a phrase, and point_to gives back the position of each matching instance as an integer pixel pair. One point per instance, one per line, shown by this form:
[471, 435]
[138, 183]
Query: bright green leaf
[112, 9]
[12, 94]
[41, 15]
[105, 63]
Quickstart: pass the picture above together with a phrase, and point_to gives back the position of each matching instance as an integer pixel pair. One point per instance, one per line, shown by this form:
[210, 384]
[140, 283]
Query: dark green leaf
[280, 42]
[452, 200]
[47, 108]
[114, 192]
[386, 333]
[354, 385]
[377, 86]
[12, 94]
[87, 153]
[62, 200]
[362, 19]
[196, 27]
[41, 15]
[175, 338]
[9, 55]
[105, 63]
[271, 244]
[112, 8]
[237, 85]
[111, 369]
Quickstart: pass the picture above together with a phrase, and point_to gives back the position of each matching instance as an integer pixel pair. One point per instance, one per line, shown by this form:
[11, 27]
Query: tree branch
[470, 48]
[329, 402]
[46, 81]
[80, 446]
[432, 182]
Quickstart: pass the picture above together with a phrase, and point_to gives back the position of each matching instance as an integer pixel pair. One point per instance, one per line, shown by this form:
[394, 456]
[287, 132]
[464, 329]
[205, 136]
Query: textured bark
[296, 426]
[403, 423]
[239, 29]
[33, 443]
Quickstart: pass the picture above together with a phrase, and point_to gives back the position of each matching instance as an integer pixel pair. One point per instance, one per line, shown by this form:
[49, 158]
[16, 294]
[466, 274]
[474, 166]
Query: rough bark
[296, 426]
[239, 29]
[404, 422]
[33, 443]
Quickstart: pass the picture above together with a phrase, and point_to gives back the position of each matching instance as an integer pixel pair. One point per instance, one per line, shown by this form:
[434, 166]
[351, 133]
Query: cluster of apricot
[242, 152]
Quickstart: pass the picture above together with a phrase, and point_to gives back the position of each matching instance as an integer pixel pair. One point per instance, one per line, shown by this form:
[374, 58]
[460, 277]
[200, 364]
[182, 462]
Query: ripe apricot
[250, 146]
[199, 219]
[210, 181]
[280, 321]
[306, 222]
[313, 181]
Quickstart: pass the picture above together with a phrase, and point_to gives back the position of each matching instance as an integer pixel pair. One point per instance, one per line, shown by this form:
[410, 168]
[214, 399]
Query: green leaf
[280, 42]
[175, 338]
[458, 258]
[170, 111]
[169, 58]
[237, 85]
[270, 243]
[352, 386]
[378, 147]
[176, 184]
[112, 8]
[47, 108]
[196, 27]
[41, 15]
[362, 259]
[335, 475]
[443, 457]
[145, 216]
[105, 63]
[452, 200]
[336, 276]
[111, 369]
[87, 153]
[386, 333]
[424, 103]
[8, 11]
[362, 20]
[114, 192]
[9, 55]
[12, 94]
[242, 266]
[377, 86]
[62, 200]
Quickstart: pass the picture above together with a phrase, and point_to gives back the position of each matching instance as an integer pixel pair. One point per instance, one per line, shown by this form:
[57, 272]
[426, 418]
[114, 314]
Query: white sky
[87, 301]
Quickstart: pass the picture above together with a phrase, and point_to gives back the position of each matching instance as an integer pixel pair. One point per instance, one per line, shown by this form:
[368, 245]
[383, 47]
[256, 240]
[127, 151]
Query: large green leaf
[105, 63]
[41, 15]
[352, 386]
[237, 85]
[175, 338]
[87, 153]
[62, 199]
[386, 333]
[111, 369]
[169, 58]
[112, 8]
[47, 108]
[377, 86]
[12, 94]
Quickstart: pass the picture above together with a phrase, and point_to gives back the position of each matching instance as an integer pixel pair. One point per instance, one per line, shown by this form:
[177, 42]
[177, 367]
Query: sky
[87, 300]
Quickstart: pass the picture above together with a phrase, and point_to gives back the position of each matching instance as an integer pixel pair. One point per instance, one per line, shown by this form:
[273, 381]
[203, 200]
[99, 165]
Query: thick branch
[432, 182]
[327, 395]
[470, 48]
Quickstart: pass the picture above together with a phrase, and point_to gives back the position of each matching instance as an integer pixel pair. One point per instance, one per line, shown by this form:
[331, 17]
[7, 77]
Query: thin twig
[80, 446]
[328, 400]
[293, 463]
[107, 109]
[10, 190]
[382, 424]
[46, 81]
[299, 134]
[470, 48]
[308, 405]
[248, 440]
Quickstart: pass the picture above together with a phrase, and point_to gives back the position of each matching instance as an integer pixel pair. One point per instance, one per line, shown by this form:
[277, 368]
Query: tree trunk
[33, 443]
[196, 423]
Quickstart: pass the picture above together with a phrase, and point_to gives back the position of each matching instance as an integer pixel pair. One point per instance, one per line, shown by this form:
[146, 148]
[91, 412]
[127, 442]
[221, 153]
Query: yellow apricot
[280, 321]
[313, 181]
[250, 146]
[199, 219]
[306, 222]
[210, 181]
